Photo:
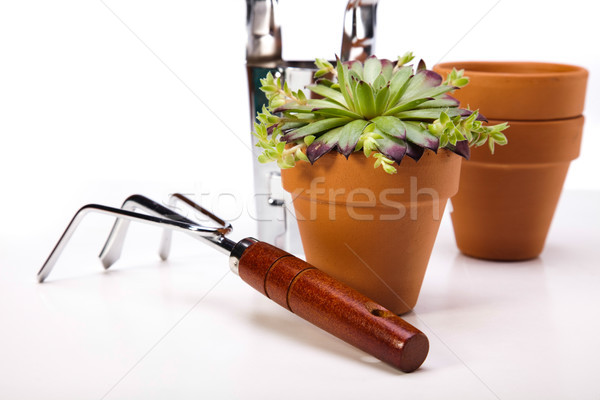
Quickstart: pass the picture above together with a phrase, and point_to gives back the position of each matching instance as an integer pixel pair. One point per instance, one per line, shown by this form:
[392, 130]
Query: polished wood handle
[333, 306]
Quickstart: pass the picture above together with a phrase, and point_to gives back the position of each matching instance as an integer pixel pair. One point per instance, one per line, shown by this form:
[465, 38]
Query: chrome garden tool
[276, 224]
[282, 277]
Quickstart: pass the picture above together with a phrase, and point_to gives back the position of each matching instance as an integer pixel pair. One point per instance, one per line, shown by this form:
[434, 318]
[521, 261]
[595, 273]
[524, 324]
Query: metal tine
[175, 198]
[113, 246]
[126, 215]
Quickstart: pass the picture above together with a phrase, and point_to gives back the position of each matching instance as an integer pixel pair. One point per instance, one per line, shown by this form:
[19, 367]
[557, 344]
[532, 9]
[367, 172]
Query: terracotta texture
[371, 230]
[333, 306]
[521, 91]
[506, 201]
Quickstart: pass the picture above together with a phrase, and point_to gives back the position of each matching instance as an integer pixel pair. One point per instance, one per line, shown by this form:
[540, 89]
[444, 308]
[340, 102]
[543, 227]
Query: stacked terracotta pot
[506, 201]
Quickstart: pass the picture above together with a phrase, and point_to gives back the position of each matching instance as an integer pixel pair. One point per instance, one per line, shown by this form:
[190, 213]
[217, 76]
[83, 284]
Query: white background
[102, 100]
[86, 100]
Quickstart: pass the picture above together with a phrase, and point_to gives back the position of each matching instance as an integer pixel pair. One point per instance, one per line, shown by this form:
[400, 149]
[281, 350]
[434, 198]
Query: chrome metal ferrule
[236, 253]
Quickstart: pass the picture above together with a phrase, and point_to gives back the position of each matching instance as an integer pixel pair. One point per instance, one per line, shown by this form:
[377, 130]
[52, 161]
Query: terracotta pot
[522, 91]
[371, 230]
[506, 201]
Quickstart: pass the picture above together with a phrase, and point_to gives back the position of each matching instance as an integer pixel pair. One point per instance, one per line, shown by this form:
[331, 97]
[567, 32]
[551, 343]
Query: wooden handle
[333, 306]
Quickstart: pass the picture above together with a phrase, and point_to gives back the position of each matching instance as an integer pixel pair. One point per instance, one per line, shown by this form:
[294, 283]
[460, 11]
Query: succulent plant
[385, 109]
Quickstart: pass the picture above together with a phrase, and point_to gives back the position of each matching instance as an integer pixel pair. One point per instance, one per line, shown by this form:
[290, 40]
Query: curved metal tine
[122, 215]
[360, 25]
[165, 242]
[113, 247]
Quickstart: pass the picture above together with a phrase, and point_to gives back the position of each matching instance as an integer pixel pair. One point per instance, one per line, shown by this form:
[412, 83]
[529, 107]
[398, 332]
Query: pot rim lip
[559, 121]
[563, 70]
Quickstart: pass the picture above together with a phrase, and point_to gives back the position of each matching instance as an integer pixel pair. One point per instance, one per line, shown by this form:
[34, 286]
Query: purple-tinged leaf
[391, 126]
[420, 136]
[399, 83]
[414, 151]
[349, 136]
[288, 126]
[323, 144]
[461, 148]
[421, 65]
[423, 79]
[391, 147]
[428, 93]
[314, 128]
[410, 105]
[356, 67]
[293, 106]
[336, 112]
[445, 100]
[387, 68]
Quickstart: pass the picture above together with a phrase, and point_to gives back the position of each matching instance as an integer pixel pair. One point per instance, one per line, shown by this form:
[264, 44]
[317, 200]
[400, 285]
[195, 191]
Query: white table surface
[188, 328]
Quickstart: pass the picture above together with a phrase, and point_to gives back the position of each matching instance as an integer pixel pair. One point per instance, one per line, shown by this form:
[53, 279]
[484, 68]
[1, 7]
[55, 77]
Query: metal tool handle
[333, 306]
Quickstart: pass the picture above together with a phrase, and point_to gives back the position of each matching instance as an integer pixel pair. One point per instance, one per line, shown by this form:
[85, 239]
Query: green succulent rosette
[386, 110]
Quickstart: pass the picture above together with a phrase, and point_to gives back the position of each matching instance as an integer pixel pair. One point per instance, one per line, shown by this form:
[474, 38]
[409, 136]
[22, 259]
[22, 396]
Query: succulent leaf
[315, 127]
[365, 100]
[445, 100]
[461, 148]
[336, 112]
[392, 147]
[387, 69]
[323, 107]
[323, 144]
[357, 67]
[372, 69]
[382, 99]
[328, 93]
[349, 136]
[414, 151]
[391, 126]
[424, 79]
[343, 77]
[399, 83]
[429, 114]
[418, 135]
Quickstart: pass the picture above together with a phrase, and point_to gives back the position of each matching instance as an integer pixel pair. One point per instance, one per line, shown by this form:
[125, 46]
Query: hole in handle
[382, 313]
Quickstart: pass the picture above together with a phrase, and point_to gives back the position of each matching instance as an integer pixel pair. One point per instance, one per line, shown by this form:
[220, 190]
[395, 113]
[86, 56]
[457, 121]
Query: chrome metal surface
[236, 253]
[360, 24]
[264, 33]
[127, 215]
[224, 228]
[113, 247]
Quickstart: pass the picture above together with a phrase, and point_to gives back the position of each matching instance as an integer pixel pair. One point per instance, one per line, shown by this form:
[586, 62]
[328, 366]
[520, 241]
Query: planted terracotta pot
[371, 230]
[506, 201]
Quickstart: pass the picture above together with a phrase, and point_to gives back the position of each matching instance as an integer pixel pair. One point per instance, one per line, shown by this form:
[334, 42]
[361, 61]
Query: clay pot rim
[560, 121]
[515, 69]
